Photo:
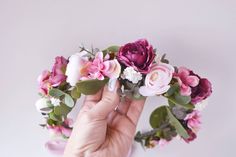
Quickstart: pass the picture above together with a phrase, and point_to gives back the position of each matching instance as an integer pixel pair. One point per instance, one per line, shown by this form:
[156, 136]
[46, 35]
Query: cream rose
[157, 80]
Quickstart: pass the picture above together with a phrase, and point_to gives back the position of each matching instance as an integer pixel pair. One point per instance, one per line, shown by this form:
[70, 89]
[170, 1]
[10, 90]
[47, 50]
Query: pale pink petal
[66, 131]
[185, 90]
[56, 146]
[183, 72]
[192, 81]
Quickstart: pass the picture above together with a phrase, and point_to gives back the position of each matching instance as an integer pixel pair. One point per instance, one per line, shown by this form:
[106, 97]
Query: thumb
[109, 100]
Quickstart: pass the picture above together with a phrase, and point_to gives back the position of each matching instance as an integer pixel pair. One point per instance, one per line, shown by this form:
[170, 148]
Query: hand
[99, 130]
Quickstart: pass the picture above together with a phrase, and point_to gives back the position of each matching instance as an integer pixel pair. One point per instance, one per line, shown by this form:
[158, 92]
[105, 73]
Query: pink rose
[186, 80]
[138, 55]
[157, 80]
[99, 68]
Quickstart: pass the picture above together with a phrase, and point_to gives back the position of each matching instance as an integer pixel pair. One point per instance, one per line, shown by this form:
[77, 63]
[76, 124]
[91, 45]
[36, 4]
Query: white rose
[74, 67]
[42, 105]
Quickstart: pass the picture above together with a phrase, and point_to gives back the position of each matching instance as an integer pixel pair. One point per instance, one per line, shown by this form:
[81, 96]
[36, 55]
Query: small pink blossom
[99, 68]
[186, 80]
[157, 80]
[193, 121]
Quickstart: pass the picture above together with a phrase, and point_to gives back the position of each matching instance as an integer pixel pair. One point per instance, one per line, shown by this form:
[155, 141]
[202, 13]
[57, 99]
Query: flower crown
[141, 73]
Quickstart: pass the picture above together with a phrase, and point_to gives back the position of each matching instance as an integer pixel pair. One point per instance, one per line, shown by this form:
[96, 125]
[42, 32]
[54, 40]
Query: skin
[99, 131]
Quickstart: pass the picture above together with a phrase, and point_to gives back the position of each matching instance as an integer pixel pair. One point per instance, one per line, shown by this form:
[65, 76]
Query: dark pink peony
[138, 55]
[202, 91]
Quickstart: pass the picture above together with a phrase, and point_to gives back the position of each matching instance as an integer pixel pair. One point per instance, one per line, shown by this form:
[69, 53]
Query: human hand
[101, 131]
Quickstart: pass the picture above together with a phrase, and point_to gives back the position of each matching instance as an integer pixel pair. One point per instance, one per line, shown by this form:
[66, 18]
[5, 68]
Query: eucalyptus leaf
[90, 87]
[182, 99]
[172, 100]
[62, 110]
[178, 126]
[69, 100]
[56, 93]
[158, 117]
[113, 48]
[55, 117]
[174, 88]
[75, 93]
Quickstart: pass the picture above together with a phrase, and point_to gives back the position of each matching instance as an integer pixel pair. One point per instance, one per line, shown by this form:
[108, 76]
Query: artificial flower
[55, 101]
[42, 105]
[132, 75]
[193, 121]
[139, 55]
[157, 80]
[201, 105]
[186, 80]
[99, 68]
[202, 91]
[76, 67]
[43, 81]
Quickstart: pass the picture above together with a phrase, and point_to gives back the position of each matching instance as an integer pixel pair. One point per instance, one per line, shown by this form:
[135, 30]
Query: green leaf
[90, 87]
[182, 99]
[158, 117]
[62, 110]
[55, 117]
[174, 88]
[69, 101]
[75, 93]
[56, 93]
[172, 101]
[178, 126]
[113, 48]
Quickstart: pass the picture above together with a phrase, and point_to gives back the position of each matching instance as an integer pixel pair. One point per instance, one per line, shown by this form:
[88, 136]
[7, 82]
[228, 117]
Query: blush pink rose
[157, 80]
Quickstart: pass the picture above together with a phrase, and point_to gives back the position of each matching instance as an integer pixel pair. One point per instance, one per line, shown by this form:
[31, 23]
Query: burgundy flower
[138, 55]
[192, 136]
[202, 91]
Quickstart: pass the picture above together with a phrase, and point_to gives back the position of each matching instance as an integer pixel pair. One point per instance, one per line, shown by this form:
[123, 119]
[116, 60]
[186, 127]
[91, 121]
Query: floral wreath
[141, 73]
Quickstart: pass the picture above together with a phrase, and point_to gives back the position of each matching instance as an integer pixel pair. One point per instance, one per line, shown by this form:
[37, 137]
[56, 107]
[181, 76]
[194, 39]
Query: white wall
[197, 33]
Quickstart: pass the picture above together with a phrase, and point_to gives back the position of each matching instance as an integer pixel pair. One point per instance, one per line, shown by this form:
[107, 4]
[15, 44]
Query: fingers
[94, 98]
[108, 102]
[135, 110]
[121, 110]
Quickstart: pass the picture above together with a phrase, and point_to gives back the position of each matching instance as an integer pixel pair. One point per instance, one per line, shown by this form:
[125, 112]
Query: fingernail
[112, 85]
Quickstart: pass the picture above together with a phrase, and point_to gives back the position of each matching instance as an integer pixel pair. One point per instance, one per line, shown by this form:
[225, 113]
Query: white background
[199, 34]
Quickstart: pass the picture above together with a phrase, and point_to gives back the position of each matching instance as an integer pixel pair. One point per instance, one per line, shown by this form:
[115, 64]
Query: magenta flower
[43, 82]
[138, 55]
[193, 121]
[202, 91]
[186, 80]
